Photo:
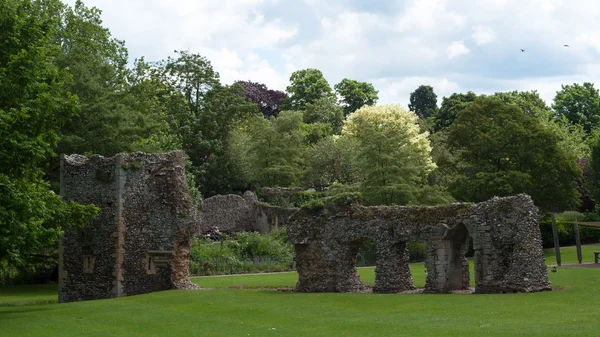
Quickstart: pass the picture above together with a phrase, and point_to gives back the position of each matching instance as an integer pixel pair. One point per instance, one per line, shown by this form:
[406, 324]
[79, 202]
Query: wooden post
[556, 244]
[577, 240]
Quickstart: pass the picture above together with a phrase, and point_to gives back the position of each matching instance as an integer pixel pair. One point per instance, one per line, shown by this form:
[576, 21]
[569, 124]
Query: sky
[452, 45]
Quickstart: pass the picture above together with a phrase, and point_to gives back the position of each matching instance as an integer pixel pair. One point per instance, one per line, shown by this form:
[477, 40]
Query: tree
[504, 151]
[423, 101]
[206, 113]
[331, 160]
[571, 137]
[306, 86]
[268, 101]
[393, 155]
[325, 110]
[529, 101]
[593, 176]
[224, 106]
[355, 94]
[450, 107]
[580, 104]
[105, 123]
[275, 149]
[33, 106]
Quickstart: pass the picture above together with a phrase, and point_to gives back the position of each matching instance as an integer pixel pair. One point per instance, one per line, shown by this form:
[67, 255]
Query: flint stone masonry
[233, 213]
[140, 242]
[507, 242]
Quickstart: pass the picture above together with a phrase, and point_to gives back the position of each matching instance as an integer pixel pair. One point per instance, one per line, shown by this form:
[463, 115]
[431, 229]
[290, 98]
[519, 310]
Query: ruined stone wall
[141, 241]
[233, 213]
[508, 250]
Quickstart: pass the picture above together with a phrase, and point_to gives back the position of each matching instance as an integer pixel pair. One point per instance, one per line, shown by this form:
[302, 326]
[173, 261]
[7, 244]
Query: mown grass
[254, 311]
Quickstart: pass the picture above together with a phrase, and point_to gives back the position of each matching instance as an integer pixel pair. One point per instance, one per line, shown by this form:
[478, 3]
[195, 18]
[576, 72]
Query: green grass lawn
[246, 306]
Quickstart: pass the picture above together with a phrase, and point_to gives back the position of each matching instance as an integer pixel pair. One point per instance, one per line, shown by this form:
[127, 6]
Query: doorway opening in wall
[452, 259]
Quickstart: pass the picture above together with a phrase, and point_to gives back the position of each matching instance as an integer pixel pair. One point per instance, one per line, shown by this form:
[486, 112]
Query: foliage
[253, 244]
[505, 151]
[268, 100]
[423, 101]
[355, 94]
[306, 86]
[325, 110]
[274, 149]
[529, 101]
[593, 173]
[109, 120]
[248, 252]
[33, 106]
[571, 137]
[450, 108]
[331, 160]
[393, 155]
[580, 104]
[288, 198]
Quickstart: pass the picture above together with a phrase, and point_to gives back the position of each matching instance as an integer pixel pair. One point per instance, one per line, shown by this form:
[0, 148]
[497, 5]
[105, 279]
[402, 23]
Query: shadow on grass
[9, 314]
[27, 303]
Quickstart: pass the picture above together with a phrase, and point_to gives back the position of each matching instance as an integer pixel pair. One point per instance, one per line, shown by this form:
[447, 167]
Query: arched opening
[454, 271]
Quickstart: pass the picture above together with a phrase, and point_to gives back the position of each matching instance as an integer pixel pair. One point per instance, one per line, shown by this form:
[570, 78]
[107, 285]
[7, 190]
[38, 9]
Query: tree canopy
[423, 101]
[450, 107]
[33, 106]
[393, 155]
[355, 94]
[580, 104]
[306, 86]
[268, 101]
[505, 152]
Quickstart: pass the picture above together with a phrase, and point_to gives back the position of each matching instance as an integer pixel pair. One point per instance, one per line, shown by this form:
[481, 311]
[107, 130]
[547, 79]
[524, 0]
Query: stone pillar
[392, 273]
[119, 234]
[328, 267]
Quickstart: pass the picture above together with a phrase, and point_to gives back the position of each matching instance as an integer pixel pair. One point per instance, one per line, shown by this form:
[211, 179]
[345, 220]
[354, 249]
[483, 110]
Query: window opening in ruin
[366, 253]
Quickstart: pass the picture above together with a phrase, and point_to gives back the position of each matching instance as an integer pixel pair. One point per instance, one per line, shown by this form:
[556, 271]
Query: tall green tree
[393, 155]
[275, 149]
[423, 101]
[355, 94]
[580, 104]
[325, 110]
[33, 106]
[306, 86]
[97, 62]
[504, 151]
[332, 160]
[206, 112]
[571, 137]
[451, 106]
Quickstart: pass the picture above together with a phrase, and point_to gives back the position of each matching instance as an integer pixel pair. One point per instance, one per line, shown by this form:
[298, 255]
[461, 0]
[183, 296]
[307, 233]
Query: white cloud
[395, 45]
[397, 90]
[457, 48]
[483, 35]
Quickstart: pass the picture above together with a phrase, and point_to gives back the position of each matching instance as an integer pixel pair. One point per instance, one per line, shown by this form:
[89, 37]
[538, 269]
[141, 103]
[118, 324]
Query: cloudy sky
[452, 45]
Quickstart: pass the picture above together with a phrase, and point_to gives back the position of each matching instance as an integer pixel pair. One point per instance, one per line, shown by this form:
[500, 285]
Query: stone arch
[447, 265]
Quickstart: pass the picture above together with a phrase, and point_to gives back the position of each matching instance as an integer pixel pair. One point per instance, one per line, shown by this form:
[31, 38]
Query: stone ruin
[140, 242]
[233, 213]
[506, 239]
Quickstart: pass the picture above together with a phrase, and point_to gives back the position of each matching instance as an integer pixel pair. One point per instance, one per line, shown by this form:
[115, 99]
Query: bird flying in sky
[522, 50]
[565, 45]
